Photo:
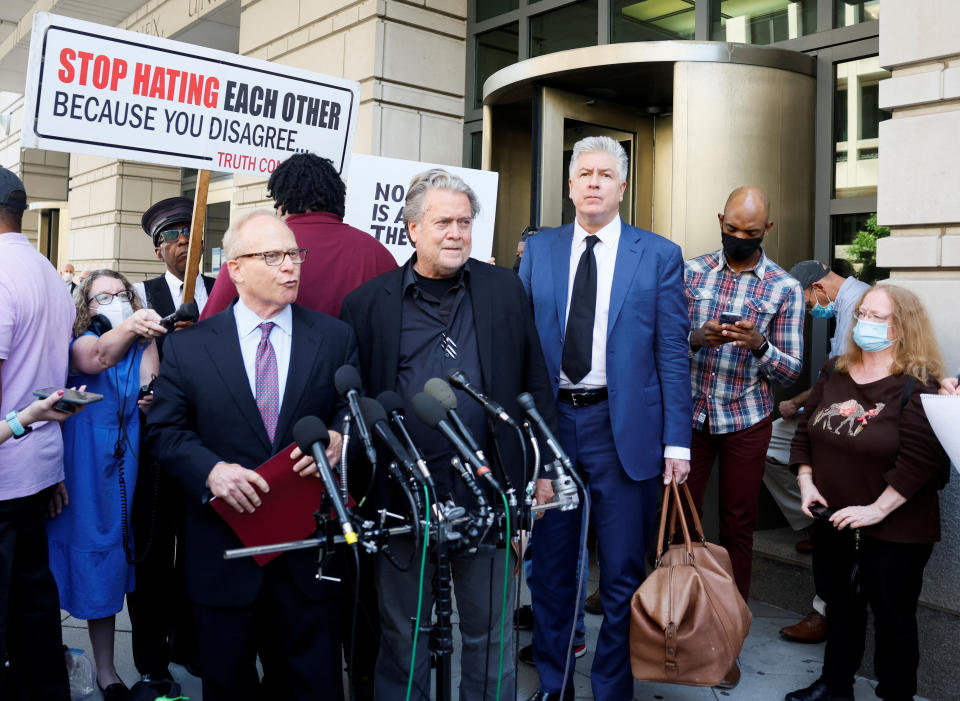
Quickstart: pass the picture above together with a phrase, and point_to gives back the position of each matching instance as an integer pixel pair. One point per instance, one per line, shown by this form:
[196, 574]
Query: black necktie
[578, 342]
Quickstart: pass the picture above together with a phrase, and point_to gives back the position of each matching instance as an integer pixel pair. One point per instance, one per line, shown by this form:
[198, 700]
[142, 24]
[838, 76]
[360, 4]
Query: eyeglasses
[172, 235]
[297, 256]
[107, 297]
[872, 316]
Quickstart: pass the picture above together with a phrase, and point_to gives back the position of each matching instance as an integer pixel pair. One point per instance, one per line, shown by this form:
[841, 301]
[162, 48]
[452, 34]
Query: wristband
[18, 430]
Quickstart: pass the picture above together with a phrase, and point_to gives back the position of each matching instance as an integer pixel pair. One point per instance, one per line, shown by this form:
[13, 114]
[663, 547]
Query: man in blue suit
[610, 310]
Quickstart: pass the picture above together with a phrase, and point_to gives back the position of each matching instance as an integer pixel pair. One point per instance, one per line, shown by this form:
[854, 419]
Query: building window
[847, 13]
[762, 21]
[491, 8]
[651, 20]
[857, 118]
[496, 49]
[568, 27]
[476, 150]
[854, 239]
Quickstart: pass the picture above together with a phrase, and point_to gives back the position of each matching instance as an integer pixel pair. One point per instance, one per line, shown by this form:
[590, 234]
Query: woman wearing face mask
[865, 450]
[91, 547]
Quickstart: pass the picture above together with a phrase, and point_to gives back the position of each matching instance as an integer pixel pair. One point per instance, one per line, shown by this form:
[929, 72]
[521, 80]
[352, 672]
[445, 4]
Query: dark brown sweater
[858, 441]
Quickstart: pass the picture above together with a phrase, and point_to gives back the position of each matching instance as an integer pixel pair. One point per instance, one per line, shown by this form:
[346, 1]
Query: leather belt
[581, 397]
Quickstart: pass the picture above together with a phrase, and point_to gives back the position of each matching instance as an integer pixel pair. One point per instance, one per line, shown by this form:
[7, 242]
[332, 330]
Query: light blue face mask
[871, 336]
[821, 312]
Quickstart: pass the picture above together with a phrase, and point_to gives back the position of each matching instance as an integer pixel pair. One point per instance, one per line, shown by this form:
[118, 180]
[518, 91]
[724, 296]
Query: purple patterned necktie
[268, 392]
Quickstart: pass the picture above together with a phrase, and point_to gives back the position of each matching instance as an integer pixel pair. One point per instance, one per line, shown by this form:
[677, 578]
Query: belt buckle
[578, 398]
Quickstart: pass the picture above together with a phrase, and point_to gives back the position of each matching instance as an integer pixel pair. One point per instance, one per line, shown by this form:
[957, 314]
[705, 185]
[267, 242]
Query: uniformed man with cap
[167, 223]
[160, 611]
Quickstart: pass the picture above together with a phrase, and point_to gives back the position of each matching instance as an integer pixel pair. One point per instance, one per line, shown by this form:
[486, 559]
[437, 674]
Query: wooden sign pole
[195, 248]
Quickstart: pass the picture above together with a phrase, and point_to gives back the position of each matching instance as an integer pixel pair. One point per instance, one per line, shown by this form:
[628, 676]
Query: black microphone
[563, 485]
[393, 405]
[375, 416]
[312, 438]
[188, 311]
[347, 381]
[458, 378]
[431, 412]
[443, 393]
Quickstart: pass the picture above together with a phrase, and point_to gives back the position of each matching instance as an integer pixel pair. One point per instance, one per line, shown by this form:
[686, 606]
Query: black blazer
[161, 301]
[510, 356]
[203, 412]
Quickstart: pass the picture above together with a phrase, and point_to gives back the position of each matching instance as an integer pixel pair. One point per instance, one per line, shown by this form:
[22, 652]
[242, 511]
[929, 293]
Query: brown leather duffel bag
[688, 620]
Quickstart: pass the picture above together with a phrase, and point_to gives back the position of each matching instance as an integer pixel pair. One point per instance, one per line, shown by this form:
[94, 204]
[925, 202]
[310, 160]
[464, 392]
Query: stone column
[919, 177]
[408, 57]
[918, 199]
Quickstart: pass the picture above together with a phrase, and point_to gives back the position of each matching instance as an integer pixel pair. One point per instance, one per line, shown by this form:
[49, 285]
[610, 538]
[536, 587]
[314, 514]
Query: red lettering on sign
[66, 74]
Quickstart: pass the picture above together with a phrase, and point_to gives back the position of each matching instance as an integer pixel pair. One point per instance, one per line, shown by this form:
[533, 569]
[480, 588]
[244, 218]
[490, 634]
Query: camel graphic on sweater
[852, 414]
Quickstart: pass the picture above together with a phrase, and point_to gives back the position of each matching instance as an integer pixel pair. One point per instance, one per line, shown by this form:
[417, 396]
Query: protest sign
[377, 187]
[109, 92]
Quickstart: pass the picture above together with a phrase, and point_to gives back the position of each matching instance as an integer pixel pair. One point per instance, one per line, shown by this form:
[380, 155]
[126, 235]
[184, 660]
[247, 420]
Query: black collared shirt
[437, 334]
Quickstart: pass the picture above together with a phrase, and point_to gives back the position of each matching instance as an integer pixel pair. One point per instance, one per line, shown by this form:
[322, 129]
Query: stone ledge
[908, 252]
[915, 89]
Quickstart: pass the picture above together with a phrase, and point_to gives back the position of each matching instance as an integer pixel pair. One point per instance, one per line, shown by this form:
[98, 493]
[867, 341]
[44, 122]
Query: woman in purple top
[869, 467]
[91, 547]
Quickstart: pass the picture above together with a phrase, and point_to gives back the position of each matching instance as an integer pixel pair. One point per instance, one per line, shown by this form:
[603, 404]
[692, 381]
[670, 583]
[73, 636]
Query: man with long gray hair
[443, 310]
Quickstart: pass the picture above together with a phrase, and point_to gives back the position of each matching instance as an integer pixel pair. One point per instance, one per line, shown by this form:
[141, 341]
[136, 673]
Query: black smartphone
[729, 318]
[821, 512]
[146, 389]
[71, 399]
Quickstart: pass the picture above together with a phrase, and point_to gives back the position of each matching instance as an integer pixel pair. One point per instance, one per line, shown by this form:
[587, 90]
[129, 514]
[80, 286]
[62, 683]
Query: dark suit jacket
[160, 300]
[510, 356]
[204, 412]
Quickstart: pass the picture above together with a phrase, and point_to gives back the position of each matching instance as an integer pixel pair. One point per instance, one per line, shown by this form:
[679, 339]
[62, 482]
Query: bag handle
[672, 487]
[697, 526]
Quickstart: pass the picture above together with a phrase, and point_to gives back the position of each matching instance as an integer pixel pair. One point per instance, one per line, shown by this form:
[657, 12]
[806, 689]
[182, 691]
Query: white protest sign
[109, 92]
[377, 187]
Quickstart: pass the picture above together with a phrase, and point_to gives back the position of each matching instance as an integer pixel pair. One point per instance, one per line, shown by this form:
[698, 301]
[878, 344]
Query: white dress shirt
[605, 253]
[249, 334]
[176, 291]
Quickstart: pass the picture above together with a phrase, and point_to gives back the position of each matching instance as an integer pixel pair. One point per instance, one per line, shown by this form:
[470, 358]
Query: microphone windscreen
[428, 409]
[526, 402]
[310, 430]
[442, 392]
[458, 378]
[188, 311]
[346, 378]
[372, 411]
[391, 401]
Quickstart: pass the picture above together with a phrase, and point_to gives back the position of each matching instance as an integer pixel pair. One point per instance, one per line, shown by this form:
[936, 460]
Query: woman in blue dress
[91, 546]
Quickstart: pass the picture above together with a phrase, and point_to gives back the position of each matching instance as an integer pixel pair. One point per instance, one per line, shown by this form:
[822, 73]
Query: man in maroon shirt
[308, 191]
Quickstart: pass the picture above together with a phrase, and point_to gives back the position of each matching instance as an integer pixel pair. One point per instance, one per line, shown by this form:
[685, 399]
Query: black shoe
[817, 691]
[539, 695]
[114, 692]
[523, 618]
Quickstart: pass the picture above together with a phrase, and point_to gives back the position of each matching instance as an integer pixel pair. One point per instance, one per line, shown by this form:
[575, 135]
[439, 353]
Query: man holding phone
[36, 322]
[746, 315]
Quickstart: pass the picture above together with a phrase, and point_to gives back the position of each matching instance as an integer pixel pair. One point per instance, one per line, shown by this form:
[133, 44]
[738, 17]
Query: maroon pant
[742, 455]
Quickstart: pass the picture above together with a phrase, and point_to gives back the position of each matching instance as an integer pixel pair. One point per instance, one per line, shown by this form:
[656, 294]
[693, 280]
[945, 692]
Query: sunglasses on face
[172, 235]
[107, 297]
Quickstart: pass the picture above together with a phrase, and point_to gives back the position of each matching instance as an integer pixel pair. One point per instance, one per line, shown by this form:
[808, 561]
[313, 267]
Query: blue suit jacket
[648, 366]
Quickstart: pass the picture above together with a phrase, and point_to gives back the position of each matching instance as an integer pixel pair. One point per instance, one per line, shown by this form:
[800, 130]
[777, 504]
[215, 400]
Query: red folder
[286, 511]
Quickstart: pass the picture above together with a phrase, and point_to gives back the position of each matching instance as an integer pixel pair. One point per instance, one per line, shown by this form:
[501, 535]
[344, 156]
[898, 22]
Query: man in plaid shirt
[732, 365]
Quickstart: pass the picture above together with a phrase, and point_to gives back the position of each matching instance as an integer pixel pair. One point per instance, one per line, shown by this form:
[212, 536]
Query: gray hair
[435, 179]
[232, 237]
[600, 144]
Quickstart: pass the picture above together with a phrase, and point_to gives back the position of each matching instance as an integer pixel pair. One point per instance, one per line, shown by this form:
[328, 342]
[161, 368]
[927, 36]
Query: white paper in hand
[943, 412]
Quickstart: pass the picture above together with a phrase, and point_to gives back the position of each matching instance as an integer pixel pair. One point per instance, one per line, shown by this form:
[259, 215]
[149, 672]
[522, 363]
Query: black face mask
[738, 249]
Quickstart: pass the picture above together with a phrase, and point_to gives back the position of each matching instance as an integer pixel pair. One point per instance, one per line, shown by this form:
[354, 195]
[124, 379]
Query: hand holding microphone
[188, 312]
[311, 436]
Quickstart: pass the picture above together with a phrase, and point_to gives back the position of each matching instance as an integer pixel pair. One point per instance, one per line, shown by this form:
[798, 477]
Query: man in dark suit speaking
[610, 308]
[229, 393]
[442, 310]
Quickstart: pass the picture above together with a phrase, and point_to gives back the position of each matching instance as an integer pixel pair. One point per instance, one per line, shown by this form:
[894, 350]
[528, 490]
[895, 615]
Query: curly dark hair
[306, 182]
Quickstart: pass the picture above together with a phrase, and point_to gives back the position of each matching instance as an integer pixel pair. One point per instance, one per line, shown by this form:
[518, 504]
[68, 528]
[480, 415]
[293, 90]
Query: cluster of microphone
[436, 407]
